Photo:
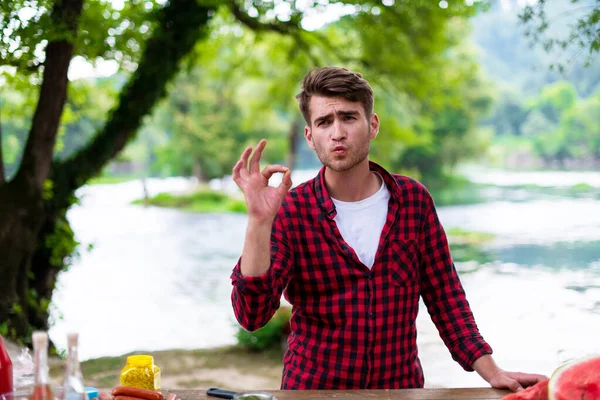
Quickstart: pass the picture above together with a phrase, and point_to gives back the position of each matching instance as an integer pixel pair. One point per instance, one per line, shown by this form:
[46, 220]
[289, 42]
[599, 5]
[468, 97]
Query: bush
[270, 335]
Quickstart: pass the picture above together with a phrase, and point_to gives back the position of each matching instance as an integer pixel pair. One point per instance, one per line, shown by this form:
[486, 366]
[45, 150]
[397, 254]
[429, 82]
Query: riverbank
[230, 367]
[459, 192]
[227, 367]
[201, 201]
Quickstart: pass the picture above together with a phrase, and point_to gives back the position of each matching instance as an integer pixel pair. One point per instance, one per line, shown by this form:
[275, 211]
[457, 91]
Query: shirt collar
[324, 199]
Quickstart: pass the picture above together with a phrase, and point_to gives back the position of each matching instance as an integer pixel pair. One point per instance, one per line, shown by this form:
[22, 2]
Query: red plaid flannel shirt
[353, 327]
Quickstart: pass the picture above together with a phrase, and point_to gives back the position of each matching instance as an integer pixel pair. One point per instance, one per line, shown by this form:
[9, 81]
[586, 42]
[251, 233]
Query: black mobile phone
[221, 393]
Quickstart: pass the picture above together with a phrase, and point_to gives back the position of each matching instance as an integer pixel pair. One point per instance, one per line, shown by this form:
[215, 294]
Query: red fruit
[539, 391]
[578, 380]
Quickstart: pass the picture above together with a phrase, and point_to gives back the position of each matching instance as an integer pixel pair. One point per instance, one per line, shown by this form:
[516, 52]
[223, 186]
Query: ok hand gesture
[263, 201]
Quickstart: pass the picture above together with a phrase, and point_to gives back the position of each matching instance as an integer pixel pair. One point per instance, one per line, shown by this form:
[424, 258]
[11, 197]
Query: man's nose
[338, 132]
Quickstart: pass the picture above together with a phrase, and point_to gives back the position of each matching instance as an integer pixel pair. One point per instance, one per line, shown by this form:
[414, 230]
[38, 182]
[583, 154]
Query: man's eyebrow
[341, 112]
[349, 112]
[323, 118]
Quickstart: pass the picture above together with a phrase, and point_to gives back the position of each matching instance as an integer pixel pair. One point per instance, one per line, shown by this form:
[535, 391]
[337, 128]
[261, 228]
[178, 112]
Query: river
[159, 278]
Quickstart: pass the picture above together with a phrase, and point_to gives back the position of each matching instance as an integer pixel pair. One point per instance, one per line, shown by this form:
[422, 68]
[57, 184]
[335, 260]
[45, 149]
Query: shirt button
[371, 315]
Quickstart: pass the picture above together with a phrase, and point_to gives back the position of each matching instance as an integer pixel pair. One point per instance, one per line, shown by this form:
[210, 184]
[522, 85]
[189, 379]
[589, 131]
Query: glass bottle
[141, 372]
[73, 387]
[41, 388]
[6, 370]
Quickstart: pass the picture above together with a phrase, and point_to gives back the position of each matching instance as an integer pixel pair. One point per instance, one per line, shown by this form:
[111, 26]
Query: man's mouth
[340, 149]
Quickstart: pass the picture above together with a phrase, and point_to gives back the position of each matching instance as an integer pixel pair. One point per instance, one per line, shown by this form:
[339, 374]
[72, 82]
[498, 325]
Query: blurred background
[119, 219]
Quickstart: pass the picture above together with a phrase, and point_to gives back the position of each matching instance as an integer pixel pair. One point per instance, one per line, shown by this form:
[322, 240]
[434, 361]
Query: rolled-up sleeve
[256, 299]
[444, 295]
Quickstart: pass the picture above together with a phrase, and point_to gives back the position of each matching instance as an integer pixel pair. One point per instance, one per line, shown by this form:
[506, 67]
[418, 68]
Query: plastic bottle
[41, 388]
[73, 387]
[6, 370]
[141, 372]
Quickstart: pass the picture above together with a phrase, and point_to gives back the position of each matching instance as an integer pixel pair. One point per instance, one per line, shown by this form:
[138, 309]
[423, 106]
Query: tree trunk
[20, 212]
[21, 200]
[39, 149]
[181, 24]
[2, 173]
[293, 137]
[198, 172]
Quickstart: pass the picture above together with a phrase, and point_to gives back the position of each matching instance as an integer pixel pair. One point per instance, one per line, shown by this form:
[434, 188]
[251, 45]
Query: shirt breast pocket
[404, 266]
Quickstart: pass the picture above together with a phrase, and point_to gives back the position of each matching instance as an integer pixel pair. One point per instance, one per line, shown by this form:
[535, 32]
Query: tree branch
[37, 156]
[568, 13]
[181, 24]
[283, 28]
[257, 26]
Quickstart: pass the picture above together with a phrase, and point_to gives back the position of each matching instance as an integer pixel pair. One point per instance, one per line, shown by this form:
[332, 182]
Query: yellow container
[141, 372]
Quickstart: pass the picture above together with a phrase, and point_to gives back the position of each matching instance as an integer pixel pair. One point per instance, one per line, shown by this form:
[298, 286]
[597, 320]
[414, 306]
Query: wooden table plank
[404, 394]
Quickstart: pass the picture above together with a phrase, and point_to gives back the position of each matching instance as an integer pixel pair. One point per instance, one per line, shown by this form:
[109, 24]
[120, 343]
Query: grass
[457, 193]
[579, 190]
[456, 190]
[202, 201]
[469, 246]
[461, 236]
[110, 180]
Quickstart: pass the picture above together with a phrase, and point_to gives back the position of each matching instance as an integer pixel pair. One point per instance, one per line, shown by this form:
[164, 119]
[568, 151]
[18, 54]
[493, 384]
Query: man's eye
[323, 123]
[348, 118]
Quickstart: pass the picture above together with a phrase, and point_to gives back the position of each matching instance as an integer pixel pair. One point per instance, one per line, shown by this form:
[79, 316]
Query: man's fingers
[236, 170]
[541, 378]
[240, 169]
[530, 379]
[514, 385]
[254, 162]
[269, 170]
[244, 157]
[286, 182]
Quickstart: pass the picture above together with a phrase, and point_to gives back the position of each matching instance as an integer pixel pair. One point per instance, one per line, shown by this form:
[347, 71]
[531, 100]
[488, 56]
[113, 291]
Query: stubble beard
[342, 164]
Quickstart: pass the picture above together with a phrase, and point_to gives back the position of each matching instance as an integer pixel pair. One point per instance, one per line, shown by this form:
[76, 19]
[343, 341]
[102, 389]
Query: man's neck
[355, 184]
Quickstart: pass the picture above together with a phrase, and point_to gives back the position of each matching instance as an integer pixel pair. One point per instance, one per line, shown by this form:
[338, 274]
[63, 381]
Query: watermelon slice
[539, 391]
[577, 380]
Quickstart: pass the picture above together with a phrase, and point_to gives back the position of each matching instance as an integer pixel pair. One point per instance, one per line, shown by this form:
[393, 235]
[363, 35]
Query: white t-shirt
[361, 223]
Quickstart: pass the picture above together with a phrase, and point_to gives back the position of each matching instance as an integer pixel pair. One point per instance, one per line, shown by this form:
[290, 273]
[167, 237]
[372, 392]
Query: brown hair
[334, 82]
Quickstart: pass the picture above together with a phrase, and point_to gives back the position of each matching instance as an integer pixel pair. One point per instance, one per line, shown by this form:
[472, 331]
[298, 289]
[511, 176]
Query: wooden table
[404, 394]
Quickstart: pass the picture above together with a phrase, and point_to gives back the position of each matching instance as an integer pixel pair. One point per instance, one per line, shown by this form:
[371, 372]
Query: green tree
[537, 124]
[206, 127]
[442, 129]
[148, 41]
[267, 79]
[87, 104]
[35, 238]
[555, 99]
[509, 112]
[576, 136]
[581, 128]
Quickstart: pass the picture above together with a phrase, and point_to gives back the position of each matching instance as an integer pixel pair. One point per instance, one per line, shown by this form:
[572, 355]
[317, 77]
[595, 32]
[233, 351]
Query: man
[354, 248]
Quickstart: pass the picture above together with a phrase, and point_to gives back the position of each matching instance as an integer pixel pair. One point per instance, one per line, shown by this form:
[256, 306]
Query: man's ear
[308, 137]
[374, 126]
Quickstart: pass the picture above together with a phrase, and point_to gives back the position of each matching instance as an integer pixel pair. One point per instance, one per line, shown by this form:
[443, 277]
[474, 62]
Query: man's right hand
[263, 201]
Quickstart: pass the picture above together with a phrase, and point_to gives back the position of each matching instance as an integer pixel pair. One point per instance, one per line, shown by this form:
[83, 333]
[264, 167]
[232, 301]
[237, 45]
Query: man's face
[340, 132]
